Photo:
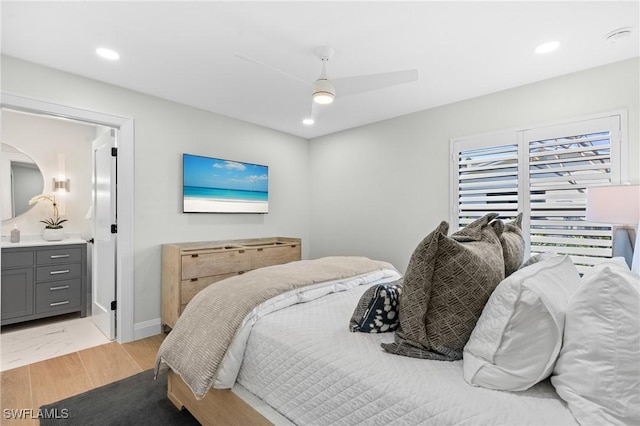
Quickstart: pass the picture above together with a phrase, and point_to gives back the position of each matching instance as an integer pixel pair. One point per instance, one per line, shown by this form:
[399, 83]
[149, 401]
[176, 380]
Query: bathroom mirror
[21, 180]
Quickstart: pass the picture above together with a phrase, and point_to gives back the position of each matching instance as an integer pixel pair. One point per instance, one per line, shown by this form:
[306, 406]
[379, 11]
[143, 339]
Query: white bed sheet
[305, 363]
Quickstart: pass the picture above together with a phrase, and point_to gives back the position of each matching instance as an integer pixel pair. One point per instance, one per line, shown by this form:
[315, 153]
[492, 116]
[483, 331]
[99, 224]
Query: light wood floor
[44, 382]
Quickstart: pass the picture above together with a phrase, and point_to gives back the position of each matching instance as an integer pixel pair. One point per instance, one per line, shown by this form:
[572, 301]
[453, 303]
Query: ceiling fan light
[323, 91]
[323, 98]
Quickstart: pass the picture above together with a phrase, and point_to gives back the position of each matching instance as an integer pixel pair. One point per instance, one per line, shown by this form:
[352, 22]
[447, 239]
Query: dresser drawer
[16, 259]
[58, 272]
[58, 295]
[190, 288]
[58, 255]
[262, 257]
[208, 264]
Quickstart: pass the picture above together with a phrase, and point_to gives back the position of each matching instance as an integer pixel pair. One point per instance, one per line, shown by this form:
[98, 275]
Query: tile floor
[23, 344]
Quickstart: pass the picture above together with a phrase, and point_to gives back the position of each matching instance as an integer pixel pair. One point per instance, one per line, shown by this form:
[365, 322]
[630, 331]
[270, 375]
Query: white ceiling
[186, 51]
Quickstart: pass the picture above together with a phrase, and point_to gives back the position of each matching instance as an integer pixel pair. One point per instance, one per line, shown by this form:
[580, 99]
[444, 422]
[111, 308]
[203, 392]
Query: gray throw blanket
[196, 347]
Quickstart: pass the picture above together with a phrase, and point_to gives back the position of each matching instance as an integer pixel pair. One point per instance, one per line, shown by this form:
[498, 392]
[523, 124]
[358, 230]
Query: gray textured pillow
[512, 243]
[447, 283]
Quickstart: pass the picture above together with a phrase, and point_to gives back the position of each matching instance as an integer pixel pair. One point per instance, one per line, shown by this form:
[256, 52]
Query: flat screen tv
[215, 185]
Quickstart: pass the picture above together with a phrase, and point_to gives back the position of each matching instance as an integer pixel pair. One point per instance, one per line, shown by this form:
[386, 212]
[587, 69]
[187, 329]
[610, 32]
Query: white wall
[163, 131]
[43, 139]
[378, 190]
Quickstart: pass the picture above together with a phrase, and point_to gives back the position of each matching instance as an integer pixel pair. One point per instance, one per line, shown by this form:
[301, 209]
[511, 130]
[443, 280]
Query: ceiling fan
[325, 90]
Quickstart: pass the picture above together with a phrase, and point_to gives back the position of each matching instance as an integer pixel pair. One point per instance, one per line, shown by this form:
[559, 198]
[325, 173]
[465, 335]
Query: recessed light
[108, 53]
[547, 47]
[308, 121]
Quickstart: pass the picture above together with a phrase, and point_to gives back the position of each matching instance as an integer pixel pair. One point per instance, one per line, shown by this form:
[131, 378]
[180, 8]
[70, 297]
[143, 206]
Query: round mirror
[21, 181]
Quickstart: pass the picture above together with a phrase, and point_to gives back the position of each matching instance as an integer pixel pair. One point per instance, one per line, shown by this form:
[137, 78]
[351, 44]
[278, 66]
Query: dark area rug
[136, 400]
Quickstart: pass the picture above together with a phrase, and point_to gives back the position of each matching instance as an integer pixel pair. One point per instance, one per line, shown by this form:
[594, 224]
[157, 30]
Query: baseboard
[147, 328]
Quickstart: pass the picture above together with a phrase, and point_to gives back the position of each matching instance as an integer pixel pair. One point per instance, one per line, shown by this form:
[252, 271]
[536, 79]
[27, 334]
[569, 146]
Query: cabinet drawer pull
[260, 249]
[59, 303]
[240, 272]
[58, 256]
[195, 255]
[240, 251]
[64, 271]
[194, 279]
[60, 287]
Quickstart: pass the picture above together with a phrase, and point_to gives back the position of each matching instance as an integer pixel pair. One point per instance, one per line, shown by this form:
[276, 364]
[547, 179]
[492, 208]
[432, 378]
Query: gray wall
[163, 132]
[378, 190]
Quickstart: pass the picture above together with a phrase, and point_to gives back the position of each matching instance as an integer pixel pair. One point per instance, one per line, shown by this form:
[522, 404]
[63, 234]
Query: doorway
[124, 242]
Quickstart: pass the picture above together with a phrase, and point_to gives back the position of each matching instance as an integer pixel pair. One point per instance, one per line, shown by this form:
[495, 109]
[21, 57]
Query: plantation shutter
[562, 162]
[486, 175]
[543, 173]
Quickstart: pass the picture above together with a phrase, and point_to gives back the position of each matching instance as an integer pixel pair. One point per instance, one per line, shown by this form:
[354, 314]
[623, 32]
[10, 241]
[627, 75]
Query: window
[542, 172]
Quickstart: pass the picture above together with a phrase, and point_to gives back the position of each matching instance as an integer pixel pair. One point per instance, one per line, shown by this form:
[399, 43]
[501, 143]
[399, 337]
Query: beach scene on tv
[213, 185]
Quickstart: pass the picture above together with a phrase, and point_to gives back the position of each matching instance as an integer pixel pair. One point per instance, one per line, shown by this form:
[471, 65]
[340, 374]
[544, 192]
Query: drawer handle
[194, 279]
[240, 251]
[240, 272]
[65, 271]
[260, 249]
[59, 303]
[60, 287]
[58, 256]
[195, 255]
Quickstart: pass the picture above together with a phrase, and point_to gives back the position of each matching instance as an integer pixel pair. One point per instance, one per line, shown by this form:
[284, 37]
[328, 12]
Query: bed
[318, 373]
[294, 355]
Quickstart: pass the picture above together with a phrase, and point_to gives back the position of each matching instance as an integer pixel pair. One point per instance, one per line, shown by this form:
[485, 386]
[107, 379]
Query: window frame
[521, 137]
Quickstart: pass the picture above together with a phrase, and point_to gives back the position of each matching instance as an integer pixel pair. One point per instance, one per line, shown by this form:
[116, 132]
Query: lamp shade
[616, 204]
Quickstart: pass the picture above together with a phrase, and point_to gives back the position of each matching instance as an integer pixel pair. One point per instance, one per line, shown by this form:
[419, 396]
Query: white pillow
[598, 370]
[519, 334]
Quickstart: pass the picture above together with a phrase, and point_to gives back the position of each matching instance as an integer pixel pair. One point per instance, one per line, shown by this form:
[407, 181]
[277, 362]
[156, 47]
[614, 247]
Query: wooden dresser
[188, 268]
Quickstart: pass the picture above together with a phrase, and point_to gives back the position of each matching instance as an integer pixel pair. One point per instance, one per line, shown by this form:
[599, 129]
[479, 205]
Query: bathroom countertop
[37, 240]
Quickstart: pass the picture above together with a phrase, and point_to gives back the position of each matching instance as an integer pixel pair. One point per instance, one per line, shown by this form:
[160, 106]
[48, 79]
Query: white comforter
[304, 362]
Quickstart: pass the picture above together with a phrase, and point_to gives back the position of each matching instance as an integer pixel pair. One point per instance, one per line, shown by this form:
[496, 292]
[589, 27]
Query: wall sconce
[60, 185]
[617, 205]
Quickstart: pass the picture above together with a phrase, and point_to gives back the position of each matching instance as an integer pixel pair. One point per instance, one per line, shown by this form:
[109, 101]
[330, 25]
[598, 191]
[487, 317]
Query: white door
[103, 266]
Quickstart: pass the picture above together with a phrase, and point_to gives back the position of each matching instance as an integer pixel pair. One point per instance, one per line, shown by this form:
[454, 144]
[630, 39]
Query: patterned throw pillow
[512, 245]
[448, 281]
[377, 310]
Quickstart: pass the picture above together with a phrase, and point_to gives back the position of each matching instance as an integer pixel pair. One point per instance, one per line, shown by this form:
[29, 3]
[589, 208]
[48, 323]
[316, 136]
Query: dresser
[43, 280]
[187, 268]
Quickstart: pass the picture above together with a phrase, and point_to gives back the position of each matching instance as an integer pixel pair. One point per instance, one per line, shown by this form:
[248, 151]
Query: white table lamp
[617, 205]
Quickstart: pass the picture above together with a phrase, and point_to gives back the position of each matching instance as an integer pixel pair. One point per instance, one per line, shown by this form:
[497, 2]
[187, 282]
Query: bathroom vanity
[42, 279]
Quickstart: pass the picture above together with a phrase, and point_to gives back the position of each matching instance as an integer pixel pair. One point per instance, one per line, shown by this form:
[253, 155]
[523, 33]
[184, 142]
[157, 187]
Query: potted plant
[53, 230]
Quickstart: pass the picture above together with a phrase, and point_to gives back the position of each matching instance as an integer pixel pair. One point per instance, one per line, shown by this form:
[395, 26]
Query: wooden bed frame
[219, 407]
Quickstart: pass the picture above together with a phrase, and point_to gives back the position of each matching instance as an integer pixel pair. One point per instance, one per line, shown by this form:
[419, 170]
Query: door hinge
[114, 228]
[114, 152]
[114, 305]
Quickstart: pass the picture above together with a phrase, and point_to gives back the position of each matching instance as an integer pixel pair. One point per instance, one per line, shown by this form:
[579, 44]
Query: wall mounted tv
[215, 185]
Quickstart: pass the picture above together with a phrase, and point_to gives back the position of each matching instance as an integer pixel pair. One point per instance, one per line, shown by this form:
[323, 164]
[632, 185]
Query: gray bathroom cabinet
[43, 281]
